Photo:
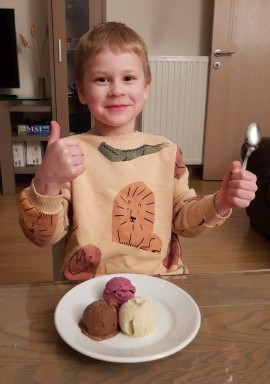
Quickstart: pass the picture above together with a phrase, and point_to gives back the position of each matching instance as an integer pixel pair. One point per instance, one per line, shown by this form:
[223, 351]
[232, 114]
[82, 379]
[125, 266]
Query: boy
[120, 197]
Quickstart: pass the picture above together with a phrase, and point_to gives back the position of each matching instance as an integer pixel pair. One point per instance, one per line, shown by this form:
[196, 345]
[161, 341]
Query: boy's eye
[101, 79]
[129, 78]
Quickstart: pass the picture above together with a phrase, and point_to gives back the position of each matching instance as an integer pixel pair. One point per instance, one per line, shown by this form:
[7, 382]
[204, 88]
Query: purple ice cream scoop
[119, 289]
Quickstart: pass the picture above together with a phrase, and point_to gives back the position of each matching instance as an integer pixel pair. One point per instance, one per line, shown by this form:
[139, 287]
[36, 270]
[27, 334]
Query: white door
[239, 80]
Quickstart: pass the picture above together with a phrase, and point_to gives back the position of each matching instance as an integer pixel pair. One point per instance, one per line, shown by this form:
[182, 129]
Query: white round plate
[178, 316]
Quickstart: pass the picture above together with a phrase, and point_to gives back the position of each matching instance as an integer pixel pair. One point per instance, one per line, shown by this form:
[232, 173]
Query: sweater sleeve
[44, 219]
[193, 214]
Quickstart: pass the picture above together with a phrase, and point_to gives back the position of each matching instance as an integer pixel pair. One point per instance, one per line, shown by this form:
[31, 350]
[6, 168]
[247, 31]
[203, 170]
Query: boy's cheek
[87, 97]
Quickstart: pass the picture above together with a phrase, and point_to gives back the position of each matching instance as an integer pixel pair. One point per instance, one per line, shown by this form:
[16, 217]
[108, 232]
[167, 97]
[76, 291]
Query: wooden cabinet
[11, 113]
[68, 20]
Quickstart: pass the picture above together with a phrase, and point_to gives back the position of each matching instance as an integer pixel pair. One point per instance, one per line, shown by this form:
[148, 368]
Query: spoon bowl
[252, 139]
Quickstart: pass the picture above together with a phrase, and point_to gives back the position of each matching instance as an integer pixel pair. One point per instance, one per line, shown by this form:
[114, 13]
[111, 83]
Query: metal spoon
[252, 140]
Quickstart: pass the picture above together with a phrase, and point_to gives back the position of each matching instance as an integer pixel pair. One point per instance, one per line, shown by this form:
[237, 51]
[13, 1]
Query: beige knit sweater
[125, 213]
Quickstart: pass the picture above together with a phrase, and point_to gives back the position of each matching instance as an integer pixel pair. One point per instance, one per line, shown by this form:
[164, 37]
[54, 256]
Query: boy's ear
[146, 91]
[81, 94]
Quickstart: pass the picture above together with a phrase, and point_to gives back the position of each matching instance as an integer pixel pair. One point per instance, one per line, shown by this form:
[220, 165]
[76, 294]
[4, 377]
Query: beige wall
[26, 13]
[169, 27]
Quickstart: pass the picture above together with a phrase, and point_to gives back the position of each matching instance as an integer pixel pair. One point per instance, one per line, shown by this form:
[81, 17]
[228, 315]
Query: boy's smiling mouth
[117, 107]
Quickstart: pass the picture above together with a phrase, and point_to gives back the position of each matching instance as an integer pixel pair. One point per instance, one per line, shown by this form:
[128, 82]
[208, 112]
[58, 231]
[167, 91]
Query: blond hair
[115, 36]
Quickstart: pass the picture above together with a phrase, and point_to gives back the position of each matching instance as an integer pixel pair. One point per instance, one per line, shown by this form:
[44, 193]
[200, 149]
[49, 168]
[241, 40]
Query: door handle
[60, 50]
[219, 52]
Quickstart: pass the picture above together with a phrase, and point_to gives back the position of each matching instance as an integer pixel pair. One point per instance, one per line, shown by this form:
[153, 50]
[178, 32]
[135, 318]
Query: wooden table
[232, 346]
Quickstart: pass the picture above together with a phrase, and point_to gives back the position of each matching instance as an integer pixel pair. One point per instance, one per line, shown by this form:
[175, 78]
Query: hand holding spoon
[252, 140]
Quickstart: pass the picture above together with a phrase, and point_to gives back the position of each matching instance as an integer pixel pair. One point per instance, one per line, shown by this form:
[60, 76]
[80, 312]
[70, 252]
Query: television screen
[9, 70]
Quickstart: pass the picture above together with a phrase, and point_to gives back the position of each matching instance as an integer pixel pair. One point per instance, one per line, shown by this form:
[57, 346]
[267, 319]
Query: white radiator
[176, 104]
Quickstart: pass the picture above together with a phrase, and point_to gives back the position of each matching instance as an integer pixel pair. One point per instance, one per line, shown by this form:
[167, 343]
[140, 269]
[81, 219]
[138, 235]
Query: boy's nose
[116, 88]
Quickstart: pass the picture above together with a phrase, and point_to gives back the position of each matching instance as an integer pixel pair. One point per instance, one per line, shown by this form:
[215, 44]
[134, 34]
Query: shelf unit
[65, 25]
[67, 21]
[8, 137]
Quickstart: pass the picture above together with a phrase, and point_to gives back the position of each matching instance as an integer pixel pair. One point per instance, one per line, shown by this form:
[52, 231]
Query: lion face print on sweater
[179, 168]
[37, 226]
[133, 217]
[83, 264]
[173, 260]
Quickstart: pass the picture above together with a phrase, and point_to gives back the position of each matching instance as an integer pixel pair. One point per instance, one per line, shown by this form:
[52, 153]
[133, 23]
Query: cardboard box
[19, 154]
[33, 152]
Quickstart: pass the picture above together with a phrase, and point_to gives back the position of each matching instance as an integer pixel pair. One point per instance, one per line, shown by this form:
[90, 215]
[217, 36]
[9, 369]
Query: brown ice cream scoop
[100, 320]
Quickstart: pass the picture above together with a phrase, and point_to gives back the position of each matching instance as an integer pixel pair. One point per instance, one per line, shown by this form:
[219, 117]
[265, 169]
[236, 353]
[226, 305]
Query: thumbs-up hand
[237, 189]
[63, 162]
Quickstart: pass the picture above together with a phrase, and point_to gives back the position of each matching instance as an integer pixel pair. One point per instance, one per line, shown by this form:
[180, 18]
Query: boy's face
[115, 89]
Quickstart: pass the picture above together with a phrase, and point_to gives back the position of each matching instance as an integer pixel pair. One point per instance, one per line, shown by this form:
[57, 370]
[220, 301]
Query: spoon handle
[249, 152]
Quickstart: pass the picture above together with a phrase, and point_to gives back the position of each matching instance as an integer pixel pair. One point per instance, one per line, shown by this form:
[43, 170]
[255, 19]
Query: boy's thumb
[234, 167]
[55, 132]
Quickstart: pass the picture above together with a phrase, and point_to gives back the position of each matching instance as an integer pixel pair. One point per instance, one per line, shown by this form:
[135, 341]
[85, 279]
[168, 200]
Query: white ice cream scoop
[138, 317]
